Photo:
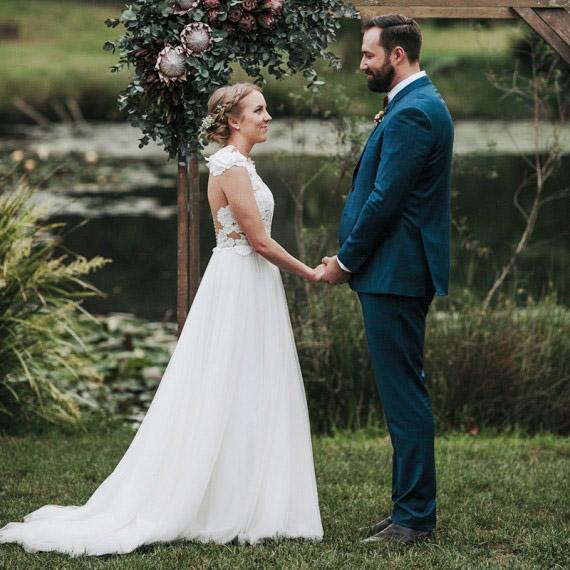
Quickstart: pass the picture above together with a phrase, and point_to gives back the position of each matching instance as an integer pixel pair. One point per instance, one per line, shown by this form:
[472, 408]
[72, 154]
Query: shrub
[508, 368]
[41, 346]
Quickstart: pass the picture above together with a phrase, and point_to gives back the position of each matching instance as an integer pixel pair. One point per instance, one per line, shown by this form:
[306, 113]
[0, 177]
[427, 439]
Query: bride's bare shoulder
[224, 159]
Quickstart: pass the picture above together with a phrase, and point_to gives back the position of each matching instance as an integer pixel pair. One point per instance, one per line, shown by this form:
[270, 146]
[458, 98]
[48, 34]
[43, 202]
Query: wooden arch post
[549, 18]
[188, 258]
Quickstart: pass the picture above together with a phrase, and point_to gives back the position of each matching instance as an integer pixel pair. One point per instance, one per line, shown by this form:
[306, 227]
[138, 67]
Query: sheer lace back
[228, 232]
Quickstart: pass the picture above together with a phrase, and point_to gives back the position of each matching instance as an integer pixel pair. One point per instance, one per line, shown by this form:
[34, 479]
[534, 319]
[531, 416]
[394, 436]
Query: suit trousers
[395, 330]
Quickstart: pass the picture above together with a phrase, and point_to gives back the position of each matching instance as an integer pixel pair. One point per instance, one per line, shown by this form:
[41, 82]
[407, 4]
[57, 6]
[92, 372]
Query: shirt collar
[404, 83]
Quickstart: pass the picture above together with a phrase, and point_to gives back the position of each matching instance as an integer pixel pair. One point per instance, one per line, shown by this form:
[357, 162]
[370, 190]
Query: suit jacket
[394, 231]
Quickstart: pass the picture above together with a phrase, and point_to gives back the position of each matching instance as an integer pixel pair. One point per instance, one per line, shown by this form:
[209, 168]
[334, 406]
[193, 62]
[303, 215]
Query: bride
[224, 452]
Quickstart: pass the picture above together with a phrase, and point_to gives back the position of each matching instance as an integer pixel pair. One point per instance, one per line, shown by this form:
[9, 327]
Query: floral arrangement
[182, 50]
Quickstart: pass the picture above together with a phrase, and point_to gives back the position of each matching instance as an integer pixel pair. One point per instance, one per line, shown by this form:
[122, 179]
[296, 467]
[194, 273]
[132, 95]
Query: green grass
[503, 503]
[59, 56]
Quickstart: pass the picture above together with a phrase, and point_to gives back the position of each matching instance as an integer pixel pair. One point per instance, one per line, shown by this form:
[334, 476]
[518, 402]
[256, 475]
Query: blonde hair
[224, 102]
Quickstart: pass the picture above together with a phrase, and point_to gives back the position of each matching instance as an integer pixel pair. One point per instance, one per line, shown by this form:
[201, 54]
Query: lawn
[58, 56]
[503, 502]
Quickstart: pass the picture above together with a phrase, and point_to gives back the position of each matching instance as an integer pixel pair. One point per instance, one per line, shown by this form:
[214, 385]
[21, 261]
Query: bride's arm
[236, 185]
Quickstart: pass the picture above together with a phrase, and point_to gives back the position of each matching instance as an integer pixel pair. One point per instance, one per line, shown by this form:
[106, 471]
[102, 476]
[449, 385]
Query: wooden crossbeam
[559, 20]
[462, 9]
[463, 3]
[548, 18]
[554, 28]
[457, 12]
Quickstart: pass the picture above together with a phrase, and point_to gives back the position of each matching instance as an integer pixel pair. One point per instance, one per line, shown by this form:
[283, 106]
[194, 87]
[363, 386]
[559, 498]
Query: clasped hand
[329, 271]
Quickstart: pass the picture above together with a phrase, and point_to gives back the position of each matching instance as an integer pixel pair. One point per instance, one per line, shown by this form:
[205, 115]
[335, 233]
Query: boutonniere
[379, 116]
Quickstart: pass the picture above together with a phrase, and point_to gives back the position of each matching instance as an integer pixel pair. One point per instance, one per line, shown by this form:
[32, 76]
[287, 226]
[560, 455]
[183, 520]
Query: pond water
[137, 229]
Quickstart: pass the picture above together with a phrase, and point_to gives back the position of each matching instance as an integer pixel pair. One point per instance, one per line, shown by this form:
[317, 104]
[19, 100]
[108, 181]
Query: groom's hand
[333, 274]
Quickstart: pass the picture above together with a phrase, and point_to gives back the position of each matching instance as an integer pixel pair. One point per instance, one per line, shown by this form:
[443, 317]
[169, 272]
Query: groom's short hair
[398, 30]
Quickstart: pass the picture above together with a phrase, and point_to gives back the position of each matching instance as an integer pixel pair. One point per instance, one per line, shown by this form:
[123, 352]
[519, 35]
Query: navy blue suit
[394, 237]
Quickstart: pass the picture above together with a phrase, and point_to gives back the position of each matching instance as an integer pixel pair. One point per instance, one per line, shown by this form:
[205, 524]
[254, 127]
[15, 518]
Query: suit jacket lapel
[425, 80]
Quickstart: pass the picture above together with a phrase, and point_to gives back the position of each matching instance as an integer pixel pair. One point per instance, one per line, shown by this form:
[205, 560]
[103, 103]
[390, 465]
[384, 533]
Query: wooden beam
[558, 19]
[464, 3]
[456, 12]
[194, 220]
[182, 301]
[543, 29]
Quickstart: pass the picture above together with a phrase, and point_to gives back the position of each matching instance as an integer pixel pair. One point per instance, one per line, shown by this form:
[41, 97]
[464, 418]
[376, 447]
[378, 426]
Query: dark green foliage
[510, 369]
[172, 113]
[41, 345]
[332, 350]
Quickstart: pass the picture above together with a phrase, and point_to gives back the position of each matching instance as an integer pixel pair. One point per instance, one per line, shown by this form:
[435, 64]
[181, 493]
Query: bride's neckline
[231, 146]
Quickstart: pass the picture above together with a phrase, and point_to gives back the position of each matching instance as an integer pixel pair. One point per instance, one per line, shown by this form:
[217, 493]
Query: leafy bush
[132, 356]
[510, 367]
[41, 345]
[330, 339]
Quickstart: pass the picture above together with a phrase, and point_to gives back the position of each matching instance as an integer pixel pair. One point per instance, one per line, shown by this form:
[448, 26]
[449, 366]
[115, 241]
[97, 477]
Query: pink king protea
[197, 38]
[170, 64]
[184, 6]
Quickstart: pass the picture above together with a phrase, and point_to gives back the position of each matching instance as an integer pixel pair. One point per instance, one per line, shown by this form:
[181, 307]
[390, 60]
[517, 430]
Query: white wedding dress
[224, 450]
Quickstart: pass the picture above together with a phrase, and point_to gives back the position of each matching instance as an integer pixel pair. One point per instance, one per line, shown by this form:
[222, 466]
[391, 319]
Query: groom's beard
[382, 78]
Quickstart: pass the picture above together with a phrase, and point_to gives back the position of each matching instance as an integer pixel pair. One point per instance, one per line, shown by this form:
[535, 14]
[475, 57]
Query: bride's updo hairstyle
[224, 102]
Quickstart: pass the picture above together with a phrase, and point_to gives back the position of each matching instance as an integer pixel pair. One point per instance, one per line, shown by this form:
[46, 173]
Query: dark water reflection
[142, 277]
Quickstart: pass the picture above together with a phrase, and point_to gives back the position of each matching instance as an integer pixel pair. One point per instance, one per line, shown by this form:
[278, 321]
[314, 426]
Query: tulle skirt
[224, 451]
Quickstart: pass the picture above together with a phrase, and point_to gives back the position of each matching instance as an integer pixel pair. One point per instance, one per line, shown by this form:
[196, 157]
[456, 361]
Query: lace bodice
[229, 234]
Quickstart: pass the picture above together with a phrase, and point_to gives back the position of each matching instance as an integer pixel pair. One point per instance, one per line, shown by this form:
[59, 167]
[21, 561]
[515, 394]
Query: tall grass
[507, 369]
[41, 346]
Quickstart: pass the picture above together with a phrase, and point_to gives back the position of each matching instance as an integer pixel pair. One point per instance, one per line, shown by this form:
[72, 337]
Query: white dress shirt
[391, 94]
[404, 83]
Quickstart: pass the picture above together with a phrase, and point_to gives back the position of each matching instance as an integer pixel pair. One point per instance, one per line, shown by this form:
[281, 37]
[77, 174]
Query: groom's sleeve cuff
[343, 266]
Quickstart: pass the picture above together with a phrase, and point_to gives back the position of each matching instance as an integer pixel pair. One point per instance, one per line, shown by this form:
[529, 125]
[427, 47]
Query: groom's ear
[398, 55]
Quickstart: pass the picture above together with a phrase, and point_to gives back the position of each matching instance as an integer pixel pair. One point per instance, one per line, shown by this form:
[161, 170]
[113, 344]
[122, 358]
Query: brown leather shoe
[375, 528]
[401, 534]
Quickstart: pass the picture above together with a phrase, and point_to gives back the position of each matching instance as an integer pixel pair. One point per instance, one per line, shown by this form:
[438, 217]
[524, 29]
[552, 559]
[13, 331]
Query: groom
[394, 238]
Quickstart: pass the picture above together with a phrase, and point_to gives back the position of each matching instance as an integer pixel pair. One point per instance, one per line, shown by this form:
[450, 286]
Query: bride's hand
[317, 274]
